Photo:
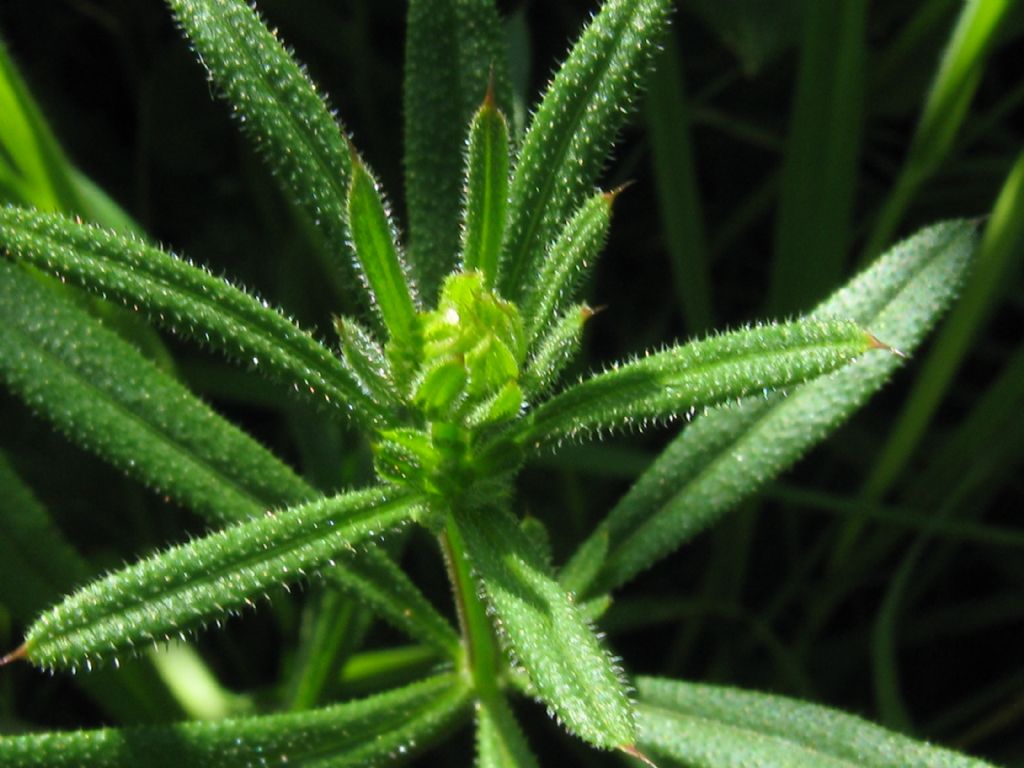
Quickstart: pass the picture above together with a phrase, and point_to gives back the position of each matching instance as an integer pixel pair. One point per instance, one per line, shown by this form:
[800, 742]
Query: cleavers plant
[456, 375]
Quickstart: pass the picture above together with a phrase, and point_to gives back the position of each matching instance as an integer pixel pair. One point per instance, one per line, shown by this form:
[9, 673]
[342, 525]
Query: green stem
[480, 661]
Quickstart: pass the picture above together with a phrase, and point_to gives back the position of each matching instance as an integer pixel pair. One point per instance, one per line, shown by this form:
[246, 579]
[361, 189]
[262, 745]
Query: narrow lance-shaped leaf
[545, 631]
[730, 452]
[185, 299]
[359, 733]
[499, 741]
[105, 396]
[190, 584]
[682, 379]
[452, 48]
[367, 361]
[959, 74]
[554, 351]
[707, 726]
[278, 108]
[388, 280]
[572, 132]
[568, 260]
[486, 210]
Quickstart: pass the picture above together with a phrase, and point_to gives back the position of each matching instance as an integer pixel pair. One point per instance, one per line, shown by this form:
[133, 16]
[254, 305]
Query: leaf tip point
[19, 653]
[875, 343]
[632, 751]
[612, 194]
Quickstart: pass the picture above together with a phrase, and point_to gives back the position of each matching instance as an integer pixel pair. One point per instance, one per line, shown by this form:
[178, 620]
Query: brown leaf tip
[588, 311]
[612, 194]
[489, 100]
[21, 652]
[632, 751]
[875, 343]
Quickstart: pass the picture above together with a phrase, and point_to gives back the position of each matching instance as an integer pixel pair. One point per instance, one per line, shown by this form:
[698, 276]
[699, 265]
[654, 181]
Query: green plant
[456, 381]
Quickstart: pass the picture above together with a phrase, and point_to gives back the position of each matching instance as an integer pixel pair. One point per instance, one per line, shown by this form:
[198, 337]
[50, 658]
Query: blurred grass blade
[451, 47]
[185, 299]
[678, 381]
[694, 482]
[499, 741]
[486, 195]
[819, 175]
[40, 171]
[366, 732]
[944, 111]
[545, 631]
[280, 110]
[567, 262]
[37, 566]
[706, 726]
[1000, 253]
[186, 586]
[387, 277]
[675, 174]
[106, 397]
[573, 129]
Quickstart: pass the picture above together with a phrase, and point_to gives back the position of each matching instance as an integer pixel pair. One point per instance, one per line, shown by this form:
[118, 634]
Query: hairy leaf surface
[545, 631]
[106, 397]
[371, 731]
[573, 129]
[278, 107]
[452, 47]
[487, 163]
[190, 584]
[729, 452]
[677, 381]
[186, 299]
[707, 726]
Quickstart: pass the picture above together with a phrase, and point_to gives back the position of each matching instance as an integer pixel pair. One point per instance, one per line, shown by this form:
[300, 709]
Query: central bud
[473, 345]
[468, 379]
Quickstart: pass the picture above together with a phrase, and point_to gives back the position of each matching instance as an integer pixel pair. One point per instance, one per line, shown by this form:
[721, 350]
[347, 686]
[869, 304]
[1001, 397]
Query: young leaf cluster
[456, 379]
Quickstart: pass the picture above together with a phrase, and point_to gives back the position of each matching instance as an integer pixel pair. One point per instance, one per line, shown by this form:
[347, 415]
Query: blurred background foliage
[781, 144]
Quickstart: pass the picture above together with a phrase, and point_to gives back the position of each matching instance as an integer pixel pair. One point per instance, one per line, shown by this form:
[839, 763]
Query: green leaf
[38, 169]
[106, 397]
[730, 452]
[574, 127]
[706, 726]
[545, 632]
[387, 278]
[373, 731]
[190, 584]
[819, 173]
[368, 363]
[487, 161]
[675, 174]
[279, 108]
[554, 351]
[569, 259]
[186, 299]
[1000, 248]
[451, 46]
[945, 110]
[499, 741]
[37, 564]
[680, 380]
